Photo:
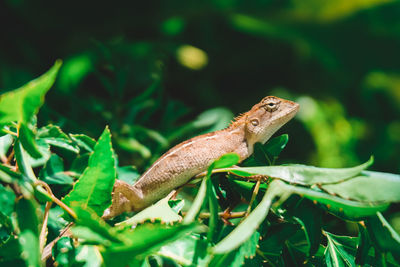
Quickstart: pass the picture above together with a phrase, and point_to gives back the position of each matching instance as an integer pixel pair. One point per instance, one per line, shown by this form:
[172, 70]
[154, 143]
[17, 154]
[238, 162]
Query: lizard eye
[254, 122]
[271, 106]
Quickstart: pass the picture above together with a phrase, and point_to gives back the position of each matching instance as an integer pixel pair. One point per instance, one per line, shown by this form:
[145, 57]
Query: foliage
[137, 73]
[335, 57]
[280, 218]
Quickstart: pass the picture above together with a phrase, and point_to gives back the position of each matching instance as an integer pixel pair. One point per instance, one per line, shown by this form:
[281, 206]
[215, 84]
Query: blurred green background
[149, 68]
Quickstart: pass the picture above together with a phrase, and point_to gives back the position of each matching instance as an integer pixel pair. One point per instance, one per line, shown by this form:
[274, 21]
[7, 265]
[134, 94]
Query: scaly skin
[178, 165]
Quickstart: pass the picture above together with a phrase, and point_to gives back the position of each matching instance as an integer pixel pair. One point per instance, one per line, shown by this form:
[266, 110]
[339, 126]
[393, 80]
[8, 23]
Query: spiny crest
[241, 117]
[238, 119]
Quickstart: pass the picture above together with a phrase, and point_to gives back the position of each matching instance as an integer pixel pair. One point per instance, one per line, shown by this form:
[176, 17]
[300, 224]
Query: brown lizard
[178, 165]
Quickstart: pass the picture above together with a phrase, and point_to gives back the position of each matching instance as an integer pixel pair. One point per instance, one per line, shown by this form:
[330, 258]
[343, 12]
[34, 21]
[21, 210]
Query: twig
[9, 132]
[226, 216]
[47, 250]
[10, 157]
[44, 232]
[252, 177]
[56, 200]
[71, 173]
[232, 215]
[254, 195]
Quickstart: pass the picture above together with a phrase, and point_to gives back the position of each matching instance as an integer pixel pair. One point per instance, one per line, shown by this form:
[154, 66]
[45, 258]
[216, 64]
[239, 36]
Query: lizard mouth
[290, 113]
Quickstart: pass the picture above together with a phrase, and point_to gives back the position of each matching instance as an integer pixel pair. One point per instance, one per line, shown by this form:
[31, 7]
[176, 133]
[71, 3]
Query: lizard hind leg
[124, 197]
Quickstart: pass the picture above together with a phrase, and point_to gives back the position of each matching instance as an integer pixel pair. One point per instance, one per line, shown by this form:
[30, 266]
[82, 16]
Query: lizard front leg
[123, 196]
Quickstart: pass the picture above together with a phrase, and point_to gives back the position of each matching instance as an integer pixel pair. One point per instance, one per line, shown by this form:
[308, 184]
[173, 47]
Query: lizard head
[266, 117]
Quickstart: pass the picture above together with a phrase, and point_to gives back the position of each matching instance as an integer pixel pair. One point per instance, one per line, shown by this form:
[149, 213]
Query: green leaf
[247, 249]
[347, 209]
[27, 217]
[213, 207]
[89, 236]
[336, 253]
[302, 174]
[6, 228]
[29, 236]
[210, 120]
[11, 251]
[21, 104]
[143, 240]
[295, 250]
[246, 188]
[266, 154]
[382, 233]
[56, 223]
[90, 255]
[7, 198]
[75, 69]
[134, 146]
[23, 162]
[368, 187]
[329, 12]
[53, 172]
[197, 203]
[64, 252]
[259, 158]
[84, 141]
[5, 143]
[10, 176]
[309, 216]
[363, 246]
[225, 161]
[176, 204]
[272, 244]
[27, 139]
[128, 174]
[30, 248]
[159, 211]
[189, 250]
[53, 135]
[249, 225]
[96, 227]
[94, 187]
[237, 257]
[80, 163]
[44, 149]
[275, 145]
[5, 176]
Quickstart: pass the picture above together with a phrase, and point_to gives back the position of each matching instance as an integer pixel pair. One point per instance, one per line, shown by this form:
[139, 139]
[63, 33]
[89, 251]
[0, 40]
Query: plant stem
[254, 195]
[252, 177]
[233, 215]
[56, 200]
[44, 232]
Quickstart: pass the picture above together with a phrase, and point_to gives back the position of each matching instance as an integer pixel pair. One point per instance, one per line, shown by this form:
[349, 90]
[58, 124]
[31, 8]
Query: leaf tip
[371, 160]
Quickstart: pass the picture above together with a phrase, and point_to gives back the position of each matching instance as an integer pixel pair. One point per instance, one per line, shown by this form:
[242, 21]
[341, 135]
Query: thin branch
[252, 177]
[9, 132]
[47, 250]
[10, 157]
[233, 215]
[253, 196]
[56, 200]
[44, 232]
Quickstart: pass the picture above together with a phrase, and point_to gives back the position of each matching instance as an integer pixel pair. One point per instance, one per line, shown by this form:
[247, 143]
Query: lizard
[189, 158]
